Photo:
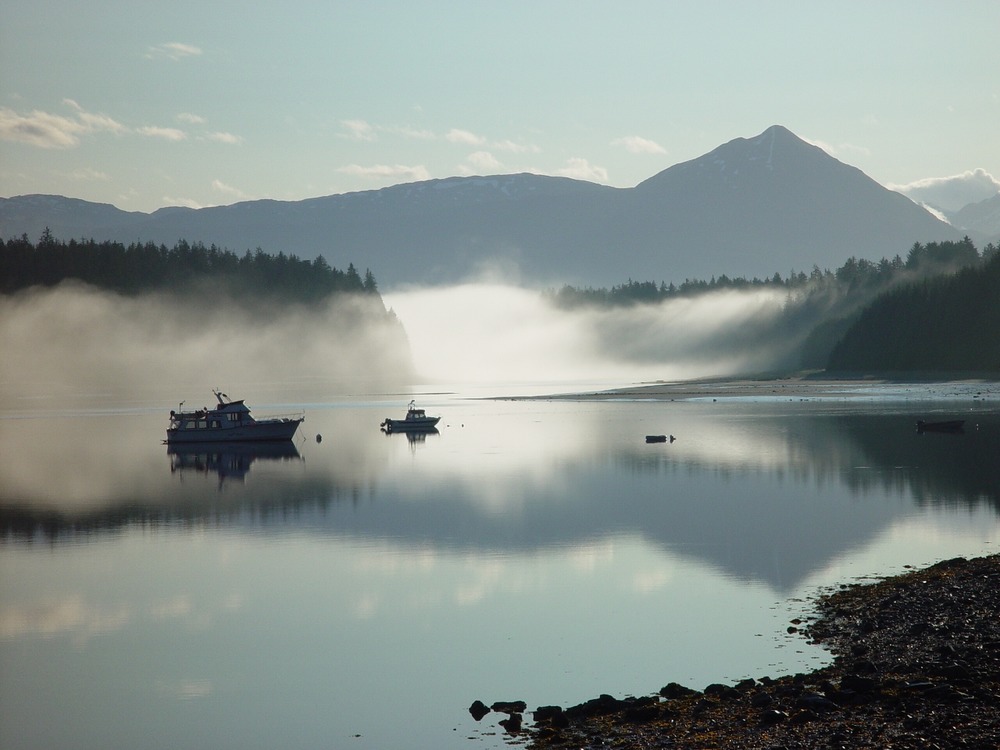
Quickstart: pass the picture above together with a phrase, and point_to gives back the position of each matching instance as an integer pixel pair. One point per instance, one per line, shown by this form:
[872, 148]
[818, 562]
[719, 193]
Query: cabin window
[215, 424]
[233, 417]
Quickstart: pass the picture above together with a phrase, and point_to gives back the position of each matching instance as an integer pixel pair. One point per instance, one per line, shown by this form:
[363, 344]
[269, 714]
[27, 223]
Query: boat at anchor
[228, 421]
[416, 420]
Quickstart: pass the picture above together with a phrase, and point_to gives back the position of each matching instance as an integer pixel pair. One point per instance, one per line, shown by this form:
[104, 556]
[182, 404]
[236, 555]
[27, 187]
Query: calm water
[360, 592]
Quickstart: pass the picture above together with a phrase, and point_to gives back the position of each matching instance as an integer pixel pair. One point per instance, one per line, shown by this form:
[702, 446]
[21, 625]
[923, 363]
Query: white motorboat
[229, 421]
[416, 420]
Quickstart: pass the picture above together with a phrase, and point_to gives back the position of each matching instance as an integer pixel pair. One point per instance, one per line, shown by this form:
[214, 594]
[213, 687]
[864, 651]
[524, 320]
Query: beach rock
[512, 723]
[509, 707]
[674, 690]
[478, 709]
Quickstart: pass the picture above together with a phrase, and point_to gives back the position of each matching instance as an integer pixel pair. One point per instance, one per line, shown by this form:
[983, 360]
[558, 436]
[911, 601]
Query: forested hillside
[949, 323]
[184, 268]
[821, 305]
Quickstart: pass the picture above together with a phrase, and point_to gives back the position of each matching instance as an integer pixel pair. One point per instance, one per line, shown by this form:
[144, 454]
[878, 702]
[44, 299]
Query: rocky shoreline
[916, 665]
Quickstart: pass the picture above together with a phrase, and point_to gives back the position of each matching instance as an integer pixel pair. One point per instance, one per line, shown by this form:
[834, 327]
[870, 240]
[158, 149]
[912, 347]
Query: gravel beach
[916, 666]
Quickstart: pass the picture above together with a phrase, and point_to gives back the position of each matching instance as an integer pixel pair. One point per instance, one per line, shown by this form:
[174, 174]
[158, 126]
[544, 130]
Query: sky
[144, 105]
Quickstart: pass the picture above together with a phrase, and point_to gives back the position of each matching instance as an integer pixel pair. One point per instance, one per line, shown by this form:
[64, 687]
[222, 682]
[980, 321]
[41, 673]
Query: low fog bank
[492, 332]
[74, 343]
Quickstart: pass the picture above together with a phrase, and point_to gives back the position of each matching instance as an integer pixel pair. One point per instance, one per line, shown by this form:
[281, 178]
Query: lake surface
[361, 591]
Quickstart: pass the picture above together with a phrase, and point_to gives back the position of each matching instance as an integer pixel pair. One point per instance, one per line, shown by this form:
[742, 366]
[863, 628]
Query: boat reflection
[413, 437]
[230, 461]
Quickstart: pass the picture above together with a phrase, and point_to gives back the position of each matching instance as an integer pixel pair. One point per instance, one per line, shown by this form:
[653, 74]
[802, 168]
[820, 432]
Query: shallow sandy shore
[796, 388]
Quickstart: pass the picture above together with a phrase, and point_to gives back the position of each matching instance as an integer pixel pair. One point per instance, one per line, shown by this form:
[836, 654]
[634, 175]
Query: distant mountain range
[751, 207]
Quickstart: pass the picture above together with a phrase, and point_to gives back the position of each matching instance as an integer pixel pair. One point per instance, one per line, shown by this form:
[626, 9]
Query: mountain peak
[743, 161]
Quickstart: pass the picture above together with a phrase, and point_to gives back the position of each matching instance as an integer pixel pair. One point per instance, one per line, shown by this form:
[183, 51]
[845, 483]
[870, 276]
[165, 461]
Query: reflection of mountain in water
[943, 468]
[231, 461]
[781, 500]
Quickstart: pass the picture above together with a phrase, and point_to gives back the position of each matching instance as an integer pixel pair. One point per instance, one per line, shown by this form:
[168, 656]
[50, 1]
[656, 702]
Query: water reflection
[763, 493]
[230, 461]
[413, 437]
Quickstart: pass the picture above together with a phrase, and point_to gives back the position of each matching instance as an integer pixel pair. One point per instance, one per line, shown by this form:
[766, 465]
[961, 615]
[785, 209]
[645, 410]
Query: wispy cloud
[227, 138]
[172, 51]
[456, 135]
[359, 130]
[483, 160]
[635, 144]
[220, 187]
[58, 131]
[47, 130]
[580, 169]
[167, 134]
[383, 171]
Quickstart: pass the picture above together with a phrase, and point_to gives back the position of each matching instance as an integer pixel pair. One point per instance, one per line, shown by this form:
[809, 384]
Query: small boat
[416, 420]
[659, 438]
[953, 425]
[230, 421]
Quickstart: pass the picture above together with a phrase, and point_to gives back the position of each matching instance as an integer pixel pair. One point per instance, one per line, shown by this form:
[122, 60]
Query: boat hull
[953, 425]
[411, 425]
[282, 429]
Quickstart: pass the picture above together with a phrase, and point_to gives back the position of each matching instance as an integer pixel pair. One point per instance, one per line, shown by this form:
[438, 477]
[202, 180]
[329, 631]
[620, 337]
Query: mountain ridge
[750, 207]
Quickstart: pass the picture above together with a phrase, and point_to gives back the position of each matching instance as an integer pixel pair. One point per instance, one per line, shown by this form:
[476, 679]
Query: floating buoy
[319, 438]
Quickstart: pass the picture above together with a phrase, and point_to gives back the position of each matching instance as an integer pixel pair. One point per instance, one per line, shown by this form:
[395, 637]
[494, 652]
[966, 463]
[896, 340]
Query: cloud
[514, 148]
[46, 130]
[39, 129]
[191, 119]
[456, 135]
[172, 51]
[483, 160]
[580, 169]
[951, 193]
[167, 134]
[227, 138]
[382, 171]
[359, 130]
[635, 144]
[221, 187]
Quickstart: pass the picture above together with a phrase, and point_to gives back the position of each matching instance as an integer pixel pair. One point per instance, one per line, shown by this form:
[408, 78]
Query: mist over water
[73, 342]
[76, 342]
[490, 332]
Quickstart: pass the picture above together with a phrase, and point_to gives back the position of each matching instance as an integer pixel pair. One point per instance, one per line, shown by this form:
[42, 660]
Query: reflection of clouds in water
[81, 620]
[68, 615]
[648, 581]
[186, 690]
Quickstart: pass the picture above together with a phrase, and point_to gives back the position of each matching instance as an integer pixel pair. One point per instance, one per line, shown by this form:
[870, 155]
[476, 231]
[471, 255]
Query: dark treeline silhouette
[857, 275]
[139, 268]
[948, 323]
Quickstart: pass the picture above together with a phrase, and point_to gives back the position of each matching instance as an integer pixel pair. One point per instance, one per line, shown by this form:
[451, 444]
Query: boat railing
[288, 417]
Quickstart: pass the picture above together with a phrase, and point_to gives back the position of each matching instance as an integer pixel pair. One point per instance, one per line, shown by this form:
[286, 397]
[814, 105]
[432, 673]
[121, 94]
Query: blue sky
[144, 105]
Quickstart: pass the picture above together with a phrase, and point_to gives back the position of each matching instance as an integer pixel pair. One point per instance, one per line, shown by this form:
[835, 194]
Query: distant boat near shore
[952, 425]
[416, 420]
